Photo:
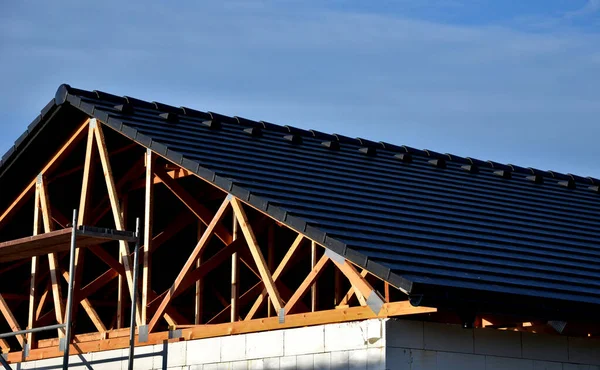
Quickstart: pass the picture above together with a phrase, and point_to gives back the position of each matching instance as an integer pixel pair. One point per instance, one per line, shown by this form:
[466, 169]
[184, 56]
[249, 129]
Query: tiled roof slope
[427, 222]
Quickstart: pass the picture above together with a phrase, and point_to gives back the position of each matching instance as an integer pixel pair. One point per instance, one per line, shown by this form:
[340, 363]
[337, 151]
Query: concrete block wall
[345, 346]
[416, 345]
[366, 345]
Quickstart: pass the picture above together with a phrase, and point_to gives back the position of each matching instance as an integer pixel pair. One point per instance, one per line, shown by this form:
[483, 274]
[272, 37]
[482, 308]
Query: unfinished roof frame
[459, 240]
[241, 244]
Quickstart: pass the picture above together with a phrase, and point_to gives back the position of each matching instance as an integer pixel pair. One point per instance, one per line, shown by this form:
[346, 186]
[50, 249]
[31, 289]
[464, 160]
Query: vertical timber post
[387, 292]
[121, 288]
[234, 276]
[270, 259]
[199, 283]
[337, 281]
[34, 267]
[313, 288]
[69, 308]
[134, 295]
[148, 221]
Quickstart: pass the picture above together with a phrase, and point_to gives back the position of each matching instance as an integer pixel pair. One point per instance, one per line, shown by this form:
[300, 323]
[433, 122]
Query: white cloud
[592, 6]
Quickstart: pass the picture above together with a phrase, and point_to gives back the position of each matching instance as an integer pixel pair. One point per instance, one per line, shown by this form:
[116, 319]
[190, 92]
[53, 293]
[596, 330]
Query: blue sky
[514, 82]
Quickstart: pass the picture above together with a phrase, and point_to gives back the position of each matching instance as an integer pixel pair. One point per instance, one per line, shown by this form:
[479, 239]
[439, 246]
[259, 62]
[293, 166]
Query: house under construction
[262, 246]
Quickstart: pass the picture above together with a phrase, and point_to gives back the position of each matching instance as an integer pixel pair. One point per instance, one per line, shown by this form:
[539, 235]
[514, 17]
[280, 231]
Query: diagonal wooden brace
[374, 299]
[189, 264]
[259, 259]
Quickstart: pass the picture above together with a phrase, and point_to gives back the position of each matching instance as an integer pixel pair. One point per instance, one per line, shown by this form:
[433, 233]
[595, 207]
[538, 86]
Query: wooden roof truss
[225, 267]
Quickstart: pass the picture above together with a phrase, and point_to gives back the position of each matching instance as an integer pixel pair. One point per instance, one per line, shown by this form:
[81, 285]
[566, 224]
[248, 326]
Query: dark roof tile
[137, 103]
[213, 124]
[322, 135]
[247, 122]
[125, 108]
[506, 174]
[294, 138]
[272, 127]
[195, 113]
[421, 229]
[404, 157]
[333, 145]
[167, 108]
[346, 139]
[296, 131]
[189, 165]
[206, 174]
[368, 150]
[86, 108]
[221, 118]
[259, 202]
[170, 117]
[109, 97]
[33, 125]
[253, 131]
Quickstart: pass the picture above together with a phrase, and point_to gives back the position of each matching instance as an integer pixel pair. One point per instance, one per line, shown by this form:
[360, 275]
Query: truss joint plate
[143, 333]
[375, 302]
[281, 315]
[334, 256]
[175, 334]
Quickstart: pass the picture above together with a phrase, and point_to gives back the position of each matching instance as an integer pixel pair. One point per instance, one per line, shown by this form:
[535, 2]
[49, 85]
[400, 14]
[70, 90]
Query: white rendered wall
[355, 345]
[366, 345]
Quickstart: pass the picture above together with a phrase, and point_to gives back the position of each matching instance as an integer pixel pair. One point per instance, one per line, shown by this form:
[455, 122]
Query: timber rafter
[212, 265]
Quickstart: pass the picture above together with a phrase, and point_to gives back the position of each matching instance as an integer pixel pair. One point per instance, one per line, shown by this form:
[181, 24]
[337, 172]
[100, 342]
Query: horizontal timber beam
[239, 327]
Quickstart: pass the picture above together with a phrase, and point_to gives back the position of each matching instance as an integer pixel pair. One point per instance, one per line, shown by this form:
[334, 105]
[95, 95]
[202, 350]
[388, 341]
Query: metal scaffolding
[66, 341]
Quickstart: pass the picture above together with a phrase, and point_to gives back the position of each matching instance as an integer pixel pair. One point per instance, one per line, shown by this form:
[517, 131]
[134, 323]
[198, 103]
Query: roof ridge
[368, 147]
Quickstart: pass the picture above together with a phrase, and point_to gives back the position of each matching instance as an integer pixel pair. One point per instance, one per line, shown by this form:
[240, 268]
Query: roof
[438, 226]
